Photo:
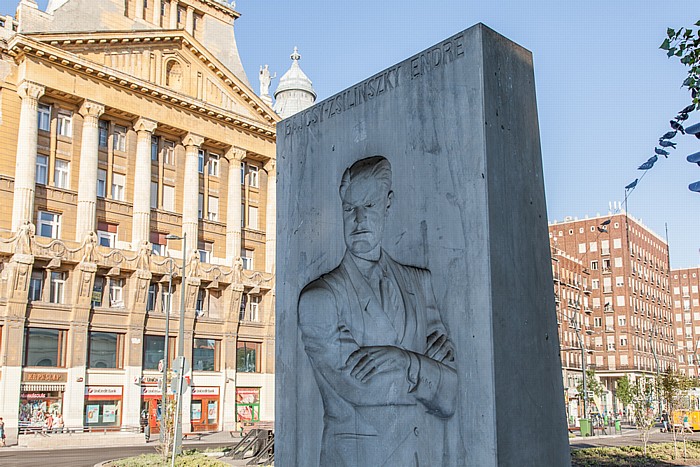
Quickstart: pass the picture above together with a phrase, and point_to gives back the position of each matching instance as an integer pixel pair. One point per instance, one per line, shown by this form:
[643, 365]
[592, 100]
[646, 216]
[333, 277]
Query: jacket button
[415, 431]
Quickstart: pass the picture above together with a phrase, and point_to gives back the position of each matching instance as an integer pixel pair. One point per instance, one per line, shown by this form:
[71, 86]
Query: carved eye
[369, 205]
[348, 208]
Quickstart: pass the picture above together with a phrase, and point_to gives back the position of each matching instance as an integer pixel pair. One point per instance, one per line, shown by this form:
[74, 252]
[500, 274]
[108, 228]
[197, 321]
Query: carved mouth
[361, 232]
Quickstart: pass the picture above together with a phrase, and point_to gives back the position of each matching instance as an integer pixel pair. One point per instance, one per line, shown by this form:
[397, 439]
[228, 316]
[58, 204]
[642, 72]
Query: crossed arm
[375, 375]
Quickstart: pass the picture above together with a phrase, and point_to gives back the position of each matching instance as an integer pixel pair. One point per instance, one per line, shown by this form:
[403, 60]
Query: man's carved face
[365, 204]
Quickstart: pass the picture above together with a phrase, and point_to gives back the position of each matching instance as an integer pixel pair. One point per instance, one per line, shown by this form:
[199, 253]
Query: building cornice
[45, 47]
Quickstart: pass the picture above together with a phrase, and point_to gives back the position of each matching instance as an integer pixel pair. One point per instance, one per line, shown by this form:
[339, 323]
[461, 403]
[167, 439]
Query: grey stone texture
[467, 219]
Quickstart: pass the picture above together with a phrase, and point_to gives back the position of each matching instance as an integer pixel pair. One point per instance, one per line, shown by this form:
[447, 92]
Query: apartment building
[630, 318]
[686, 312]
[126, 128]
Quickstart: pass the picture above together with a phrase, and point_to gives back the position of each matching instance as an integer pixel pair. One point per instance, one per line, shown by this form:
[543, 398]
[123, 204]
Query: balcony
[608, 309]
[587, 310]
[587, 290]
[606, 270]
[609, 328]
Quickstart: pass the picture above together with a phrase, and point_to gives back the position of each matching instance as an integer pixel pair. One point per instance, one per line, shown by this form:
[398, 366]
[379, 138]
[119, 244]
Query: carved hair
[377, 167]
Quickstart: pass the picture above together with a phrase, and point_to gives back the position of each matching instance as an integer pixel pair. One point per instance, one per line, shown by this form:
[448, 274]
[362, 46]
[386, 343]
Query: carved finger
[359, 366]
[437, 346]
[376, 369]
[366, 370]
[435, 335]
[354, 358]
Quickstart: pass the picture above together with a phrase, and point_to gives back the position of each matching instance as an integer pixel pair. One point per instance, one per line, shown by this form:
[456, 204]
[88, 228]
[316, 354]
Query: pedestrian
[2, 433]
[145, 426]
[59, 423]
[665, 421]
[686, 423]
[49, 423]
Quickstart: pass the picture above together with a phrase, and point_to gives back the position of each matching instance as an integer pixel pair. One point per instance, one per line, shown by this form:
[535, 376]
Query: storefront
[41, 394]
[205, 408]
[103, 406]
[247, 405]
[151, 400]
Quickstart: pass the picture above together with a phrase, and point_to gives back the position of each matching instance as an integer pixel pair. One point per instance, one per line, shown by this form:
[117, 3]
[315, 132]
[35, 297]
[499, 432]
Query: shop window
[103, 406]
[105, 350]
[247, 405]
[205, 355]
[44, 116]
[42, 170]
[45, 347]
[248, 357]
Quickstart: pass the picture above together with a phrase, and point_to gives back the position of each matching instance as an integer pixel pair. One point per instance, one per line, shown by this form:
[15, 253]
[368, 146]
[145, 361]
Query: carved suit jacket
[388, 420]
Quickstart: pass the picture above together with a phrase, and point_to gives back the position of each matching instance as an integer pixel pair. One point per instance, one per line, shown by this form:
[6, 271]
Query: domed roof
[294, 78]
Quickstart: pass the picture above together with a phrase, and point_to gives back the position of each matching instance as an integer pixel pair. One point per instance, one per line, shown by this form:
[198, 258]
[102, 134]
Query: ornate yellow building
[124, 122]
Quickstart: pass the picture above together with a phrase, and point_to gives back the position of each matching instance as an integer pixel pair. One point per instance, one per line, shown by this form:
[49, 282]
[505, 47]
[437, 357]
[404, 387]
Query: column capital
[235, 154]
[192, 139]
[28, 89]
[270, 167]
[144, 124]
[91, 109]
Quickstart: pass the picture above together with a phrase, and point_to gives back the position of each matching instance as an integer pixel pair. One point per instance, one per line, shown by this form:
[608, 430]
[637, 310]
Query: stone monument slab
[415, 313]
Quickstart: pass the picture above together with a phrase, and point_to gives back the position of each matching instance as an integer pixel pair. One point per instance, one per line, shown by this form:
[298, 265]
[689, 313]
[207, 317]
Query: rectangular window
[116, 293]
[119, 142]
[154, 195]
[61, 174]
[49, 224]
[618, 262]
[42, 169]
[101, 183]
[595, 284]
[205, 355]
[617, 243]
[165, 300]
[213, 165]
[107, 234]
[200, 160]
[44, 347]
[252, 217]
[152, 296]
[36, 286]
[153, 350]
[593, 246]
[169, 198]
[105, 350]
[205, 250]
[98, 291]
[168, 151]
[247, 257]
[118, 186]
[64, 124]
[44, 115]
[581, 247]
[594, 265]
[254, 304]
[154, 148]
[248, 357]
[213, 209]
[162, 8]
[158, 243]
[200, 206]
[58, 287]
[253, 176]
[103, 128]
[180, 14]
[242, 173]
[242, 215]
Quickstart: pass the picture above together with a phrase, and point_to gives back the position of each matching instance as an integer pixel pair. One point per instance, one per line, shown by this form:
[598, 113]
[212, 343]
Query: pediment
[175, 62]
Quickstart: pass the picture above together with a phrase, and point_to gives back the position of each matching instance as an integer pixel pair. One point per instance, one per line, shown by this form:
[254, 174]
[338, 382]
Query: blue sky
[605, 91]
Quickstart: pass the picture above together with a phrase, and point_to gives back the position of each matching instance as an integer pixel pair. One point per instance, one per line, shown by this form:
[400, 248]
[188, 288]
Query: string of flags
[666, 144]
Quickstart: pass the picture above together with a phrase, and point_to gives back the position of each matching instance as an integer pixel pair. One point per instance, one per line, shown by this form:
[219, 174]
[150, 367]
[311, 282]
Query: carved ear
[391, 197]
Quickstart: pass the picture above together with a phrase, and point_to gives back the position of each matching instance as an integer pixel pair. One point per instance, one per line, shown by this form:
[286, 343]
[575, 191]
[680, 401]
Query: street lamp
[177, 445]
[164, 393]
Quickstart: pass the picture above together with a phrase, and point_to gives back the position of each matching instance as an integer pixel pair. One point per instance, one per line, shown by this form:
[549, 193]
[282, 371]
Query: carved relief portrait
[380, 353]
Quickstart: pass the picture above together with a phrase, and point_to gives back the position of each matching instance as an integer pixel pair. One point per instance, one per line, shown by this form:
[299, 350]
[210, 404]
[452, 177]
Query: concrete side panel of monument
[458, 123]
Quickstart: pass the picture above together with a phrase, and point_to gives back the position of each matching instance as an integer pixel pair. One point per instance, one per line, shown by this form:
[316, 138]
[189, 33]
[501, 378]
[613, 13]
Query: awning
[34, 387]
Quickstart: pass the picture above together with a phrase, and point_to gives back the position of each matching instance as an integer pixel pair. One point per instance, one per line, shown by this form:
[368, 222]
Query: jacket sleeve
[328, 343]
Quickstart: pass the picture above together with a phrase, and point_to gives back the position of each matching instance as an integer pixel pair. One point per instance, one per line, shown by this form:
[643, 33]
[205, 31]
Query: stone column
[87, 185]
[141, 225]
[139, 9]
[190, 194]
[233, 205]
[189, 20]
[25, 166]
[157, 5]
[270, 213]
[173, 14]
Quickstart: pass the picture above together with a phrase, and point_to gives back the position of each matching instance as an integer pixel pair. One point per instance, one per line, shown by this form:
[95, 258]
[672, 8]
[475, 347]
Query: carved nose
[360, 214]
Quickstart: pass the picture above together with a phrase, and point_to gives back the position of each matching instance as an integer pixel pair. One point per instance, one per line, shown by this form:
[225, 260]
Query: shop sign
[153, 391]
[103, 390]
[205, 391]
[151, 380]
[33, 395]
[44, 377]
[247, 395]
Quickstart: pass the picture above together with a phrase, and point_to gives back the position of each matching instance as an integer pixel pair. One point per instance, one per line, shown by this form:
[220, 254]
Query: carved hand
[439, 347]
[366, 362]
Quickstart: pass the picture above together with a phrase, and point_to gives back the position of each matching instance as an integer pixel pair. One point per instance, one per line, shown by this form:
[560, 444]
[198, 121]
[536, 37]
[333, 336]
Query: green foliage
[624, 391]
[633, 456]
[672, 387]
[592, 383]
[684, 43]
[190, 459]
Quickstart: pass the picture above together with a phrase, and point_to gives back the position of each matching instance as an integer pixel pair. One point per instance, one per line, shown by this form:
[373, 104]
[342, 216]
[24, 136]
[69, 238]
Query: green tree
[624, 392]
[673, 389]
[644, 417]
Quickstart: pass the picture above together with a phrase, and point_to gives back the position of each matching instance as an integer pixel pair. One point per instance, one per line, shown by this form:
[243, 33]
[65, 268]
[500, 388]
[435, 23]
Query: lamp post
[163, 403]
[177, 445]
